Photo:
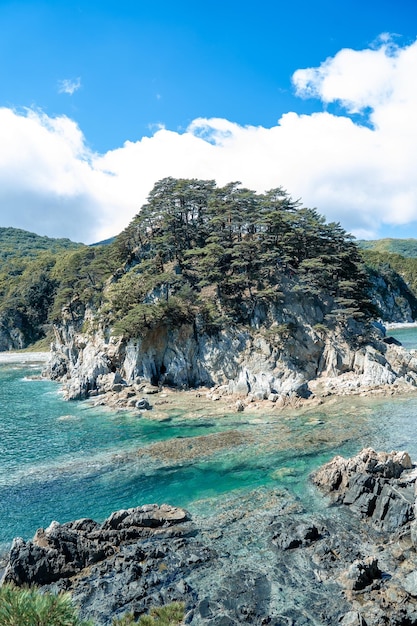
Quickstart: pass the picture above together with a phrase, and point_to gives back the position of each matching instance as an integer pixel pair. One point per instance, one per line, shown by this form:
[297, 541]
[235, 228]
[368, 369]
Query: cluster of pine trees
[220, 251]
[193, 249]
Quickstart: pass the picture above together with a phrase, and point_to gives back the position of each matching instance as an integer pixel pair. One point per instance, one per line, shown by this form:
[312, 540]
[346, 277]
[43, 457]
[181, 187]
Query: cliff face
[392, 298]
[286, 347]
[11, 334]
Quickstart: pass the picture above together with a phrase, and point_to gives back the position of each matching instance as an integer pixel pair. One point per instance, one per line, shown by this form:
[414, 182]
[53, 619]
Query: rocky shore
[258, 558]
[242, 366]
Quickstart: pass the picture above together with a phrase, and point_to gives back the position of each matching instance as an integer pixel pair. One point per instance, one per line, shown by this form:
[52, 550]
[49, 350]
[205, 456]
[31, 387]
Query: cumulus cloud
[69, 85]
[362, 175]
[46, 179]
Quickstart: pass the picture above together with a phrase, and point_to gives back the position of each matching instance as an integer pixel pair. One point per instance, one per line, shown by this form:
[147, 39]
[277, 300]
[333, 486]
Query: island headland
[249, 295]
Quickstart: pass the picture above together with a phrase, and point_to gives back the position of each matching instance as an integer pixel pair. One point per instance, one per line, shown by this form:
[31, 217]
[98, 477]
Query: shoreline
[399, 325]
[196, 401]
[24, 357]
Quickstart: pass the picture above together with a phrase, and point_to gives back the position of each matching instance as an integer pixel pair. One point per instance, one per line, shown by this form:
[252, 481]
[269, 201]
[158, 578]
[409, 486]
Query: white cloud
[69, 85]
[362, 176]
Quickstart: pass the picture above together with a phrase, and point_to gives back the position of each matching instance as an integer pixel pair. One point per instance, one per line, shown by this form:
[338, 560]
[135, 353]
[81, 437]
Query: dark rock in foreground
[258, 559]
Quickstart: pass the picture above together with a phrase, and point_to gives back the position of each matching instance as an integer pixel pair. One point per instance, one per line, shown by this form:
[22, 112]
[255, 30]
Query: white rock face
[242, 361]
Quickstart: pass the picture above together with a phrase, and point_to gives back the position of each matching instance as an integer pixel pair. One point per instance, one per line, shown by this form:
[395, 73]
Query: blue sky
[98, 100]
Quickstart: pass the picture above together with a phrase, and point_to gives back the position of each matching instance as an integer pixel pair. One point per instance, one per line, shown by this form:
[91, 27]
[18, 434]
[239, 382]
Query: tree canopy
[193, 238]
[195, 251]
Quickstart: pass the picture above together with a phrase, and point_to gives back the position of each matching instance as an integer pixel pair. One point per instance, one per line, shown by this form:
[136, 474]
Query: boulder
[372, 485]
[352, 618]
[410, 584]
[143, 405]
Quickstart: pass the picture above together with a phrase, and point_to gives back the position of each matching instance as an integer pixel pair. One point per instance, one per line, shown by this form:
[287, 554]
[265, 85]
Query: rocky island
[250, 295]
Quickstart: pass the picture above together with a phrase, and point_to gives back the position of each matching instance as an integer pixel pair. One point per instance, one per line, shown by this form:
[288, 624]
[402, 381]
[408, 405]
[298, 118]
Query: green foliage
[39, 277]
[392, 266]
[81, 276]
[195, 253]
[168, 615]
[27, 288]
[28, 607]
[399, 274]
[246, 248]
[21, 244]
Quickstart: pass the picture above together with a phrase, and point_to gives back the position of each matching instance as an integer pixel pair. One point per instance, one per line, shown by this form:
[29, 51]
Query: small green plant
[28, 607]
[168, 615]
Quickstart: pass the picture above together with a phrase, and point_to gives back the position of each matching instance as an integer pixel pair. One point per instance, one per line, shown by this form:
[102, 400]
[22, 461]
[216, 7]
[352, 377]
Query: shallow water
[61, 460]
[407, 335]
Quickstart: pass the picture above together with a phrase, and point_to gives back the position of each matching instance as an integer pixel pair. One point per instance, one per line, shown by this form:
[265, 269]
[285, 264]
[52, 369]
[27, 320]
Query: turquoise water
[407, 336]
[62, 461]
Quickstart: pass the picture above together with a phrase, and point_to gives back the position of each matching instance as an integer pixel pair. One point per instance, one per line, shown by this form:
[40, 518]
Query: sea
[64, 460]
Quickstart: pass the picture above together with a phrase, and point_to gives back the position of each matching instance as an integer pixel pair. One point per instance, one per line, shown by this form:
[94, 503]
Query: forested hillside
[391, 264]
[196, 249]
[27, 284]
[404, 247]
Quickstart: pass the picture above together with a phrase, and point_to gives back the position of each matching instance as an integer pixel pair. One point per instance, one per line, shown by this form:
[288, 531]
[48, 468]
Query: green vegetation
[20, 244]
[39, 276]
[27, 289]
[29, 607]
[392, 267]
[168, 615]
[199, 251]
[195, 253]
[26, 606]
[404, 247]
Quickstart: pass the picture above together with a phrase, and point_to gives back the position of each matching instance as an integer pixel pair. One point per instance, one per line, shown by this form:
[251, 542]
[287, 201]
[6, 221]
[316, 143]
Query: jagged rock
[258, 559]
[410, 584]
[239, 359]
[335, 474]
[352, 618]
[63, 549]
[295, 535]
[109, 382]
[370, 484]
[273, 397]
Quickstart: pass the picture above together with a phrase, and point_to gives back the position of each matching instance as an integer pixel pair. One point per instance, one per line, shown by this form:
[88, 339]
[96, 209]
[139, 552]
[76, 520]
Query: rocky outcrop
[391, 296]
[256, 559]
[374, 485]
[281, 354]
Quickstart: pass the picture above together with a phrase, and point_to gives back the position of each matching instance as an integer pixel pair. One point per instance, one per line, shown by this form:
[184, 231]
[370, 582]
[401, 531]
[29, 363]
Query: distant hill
[27, 284]
[15, 242]
[405, 247]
